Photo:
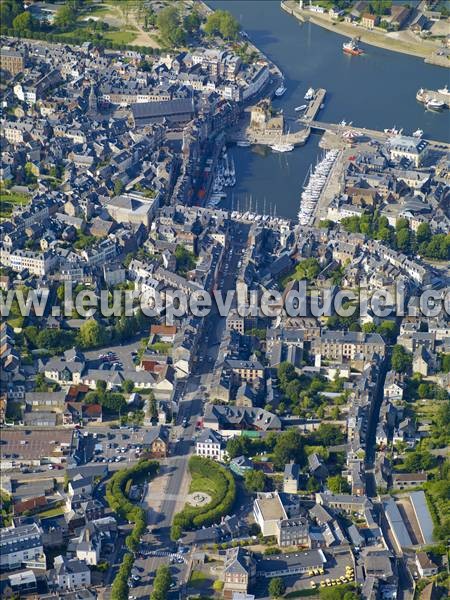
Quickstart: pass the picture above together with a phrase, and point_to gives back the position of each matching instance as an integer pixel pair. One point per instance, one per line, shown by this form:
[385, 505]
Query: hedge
[222, 481]
[119, 503]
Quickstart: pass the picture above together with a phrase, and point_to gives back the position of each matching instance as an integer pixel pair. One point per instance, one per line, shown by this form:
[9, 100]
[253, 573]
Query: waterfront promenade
[402, 41]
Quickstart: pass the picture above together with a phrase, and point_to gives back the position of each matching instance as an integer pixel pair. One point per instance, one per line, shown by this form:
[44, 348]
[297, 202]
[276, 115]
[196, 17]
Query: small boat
[302, 107]
[435, 104]
[418, 133]
[444, 90]
[280, 91]
[393, 131]
[351, 47]
[243, 143]
[310, 94]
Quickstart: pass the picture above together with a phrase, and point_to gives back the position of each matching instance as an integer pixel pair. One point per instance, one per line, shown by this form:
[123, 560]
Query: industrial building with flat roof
[419, 505]
[281, 565]
[396, 524]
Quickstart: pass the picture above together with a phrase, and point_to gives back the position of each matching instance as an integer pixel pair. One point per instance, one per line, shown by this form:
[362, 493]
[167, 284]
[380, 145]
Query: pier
[363, 132]
[311, 112]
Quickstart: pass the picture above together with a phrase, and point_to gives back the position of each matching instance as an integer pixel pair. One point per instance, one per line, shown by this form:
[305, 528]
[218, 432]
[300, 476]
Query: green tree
[403, 239]
[192, 22]
[255, 481]
[66, 16]
[312, 485]
[421, 460]
[237, 446]
[13, 411]
[445, 366]
[169, 24]
[185, 260]
[401, 359]
[222, 22]
[128, 386]
[92, 334]
[289, 446]
[276, 587]
[23, 22]
[337, 484]
[118, 187]
[388, 330]
[286, 373]
[101, 386]
[423, 233]
[161, 584]
[152, 407]
[9, 10]
[328, 435]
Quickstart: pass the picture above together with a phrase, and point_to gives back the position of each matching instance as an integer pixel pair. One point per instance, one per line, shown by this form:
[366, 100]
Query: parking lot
[122, 445]
[123, 354]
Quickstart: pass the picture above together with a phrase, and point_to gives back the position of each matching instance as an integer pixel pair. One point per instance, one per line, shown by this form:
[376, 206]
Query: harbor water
[376, 90]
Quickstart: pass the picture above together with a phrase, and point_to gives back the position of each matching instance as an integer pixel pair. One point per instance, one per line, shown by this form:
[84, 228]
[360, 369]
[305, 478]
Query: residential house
[70, 573]
[210, 444]
[291, 478]
[156, 442]
[239, 571]
[425, 566]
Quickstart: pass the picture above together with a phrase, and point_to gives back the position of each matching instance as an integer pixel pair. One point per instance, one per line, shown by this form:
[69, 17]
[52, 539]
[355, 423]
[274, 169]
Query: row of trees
[161, 583]
[77, 37]
[221, 481]
[119, 503]
[120, 588]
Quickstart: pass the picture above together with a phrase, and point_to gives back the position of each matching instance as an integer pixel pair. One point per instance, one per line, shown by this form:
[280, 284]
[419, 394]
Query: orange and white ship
[351, 47]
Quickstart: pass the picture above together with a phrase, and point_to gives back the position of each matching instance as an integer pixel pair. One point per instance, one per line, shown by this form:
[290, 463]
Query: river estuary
[375, 90]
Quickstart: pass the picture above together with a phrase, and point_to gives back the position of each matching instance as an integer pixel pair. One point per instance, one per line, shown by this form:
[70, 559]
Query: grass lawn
[120, 37]
[52, 512]
[161, 347]
[9, 200]
[199, 580]
[202, 484]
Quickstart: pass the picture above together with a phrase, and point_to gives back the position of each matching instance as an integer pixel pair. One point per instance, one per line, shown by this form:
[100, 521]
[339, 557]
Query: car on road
[185, 422]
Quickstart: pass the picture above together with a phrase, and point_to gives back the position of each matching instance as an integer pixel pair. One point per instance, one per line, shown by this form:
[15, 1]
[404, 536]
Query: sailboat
[282, 146]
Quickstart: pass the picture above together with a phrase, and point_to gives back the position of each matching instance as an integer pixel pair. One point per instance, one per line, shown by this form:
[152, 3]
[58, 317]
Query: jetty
[314, 107]
[363, 132]
[298, 138]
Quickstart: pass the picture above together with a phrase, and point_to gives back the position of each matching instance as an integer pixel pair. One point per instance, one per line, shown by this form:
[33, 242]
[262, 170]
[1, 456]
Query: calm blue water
[376, 90]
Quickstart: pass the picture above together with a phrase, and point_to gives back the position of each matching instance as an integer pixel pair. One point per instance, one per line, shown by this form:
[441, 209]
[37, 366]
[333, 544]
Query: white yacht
[435, 104]
[310, 94]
